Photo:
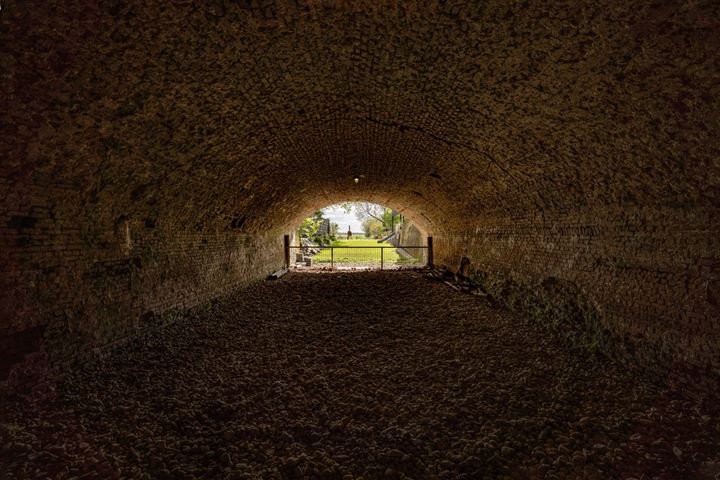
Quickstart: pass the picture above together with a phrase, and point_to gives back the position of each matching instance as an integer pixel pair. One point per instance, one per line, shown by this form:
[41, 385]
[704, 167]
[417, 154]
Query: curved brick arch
[409, 213]
[153, 153]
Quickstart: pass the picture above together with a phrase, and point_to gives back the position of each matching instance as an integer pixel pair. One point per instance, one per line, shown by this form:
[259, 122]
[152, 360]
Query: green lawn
[360, 242]
[352, 255]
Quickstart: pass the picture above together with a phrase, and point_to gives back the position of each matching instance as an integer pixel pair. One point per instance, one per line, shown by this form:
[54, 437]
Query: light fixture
[357, 179]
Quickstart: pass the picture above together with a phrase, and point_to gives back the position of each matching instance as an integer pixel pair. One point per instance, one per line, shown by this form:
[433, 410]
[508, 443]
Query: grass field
[352, 255]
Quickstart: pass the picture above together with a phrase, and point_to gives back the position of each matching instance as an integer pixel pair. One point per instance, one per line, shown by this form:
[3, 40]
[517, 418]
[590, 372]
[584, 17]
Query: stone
[568, 152]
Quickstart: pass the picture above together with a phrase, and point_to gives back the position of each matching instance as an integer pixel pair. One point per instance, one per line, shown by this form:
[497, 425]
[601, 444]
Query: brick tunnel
[154, 154]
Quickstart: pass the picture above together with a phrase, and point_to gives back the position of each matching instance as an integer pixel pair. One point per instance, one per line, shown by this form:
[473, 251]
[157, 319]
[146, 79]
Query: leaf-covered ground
[356, 375]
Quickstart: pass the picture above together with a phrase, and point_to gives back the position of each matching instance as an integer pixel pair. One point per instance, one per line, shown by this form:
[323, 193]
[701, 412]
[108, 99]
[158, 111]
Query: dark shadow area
[373, 375]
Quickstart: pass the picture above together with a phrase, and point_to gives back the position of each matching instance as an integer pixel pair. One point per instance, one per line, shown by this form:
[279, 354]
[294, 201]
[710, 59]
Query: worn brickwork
[413, 235]
[645, 281]
[576, 140]
[73, 281]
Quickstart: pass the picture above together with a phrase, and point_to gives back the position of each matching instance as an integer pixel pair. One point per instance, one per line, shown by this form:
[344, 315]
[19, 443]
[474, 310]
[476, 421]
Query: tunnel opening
[377, 238]
[563, 156]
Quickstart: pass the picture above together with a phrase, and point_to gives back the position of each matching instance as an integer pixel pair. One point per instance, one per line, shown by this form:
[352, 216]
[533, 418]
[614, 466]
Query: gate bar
[354, 247]
[286, 242]
[430, 251]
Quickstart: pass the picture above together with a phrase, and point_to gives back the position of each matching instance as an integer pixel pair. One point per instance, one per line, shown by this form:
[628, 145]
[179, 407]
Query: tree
[387, 217]
[365, 210]
[372, 227]
[309, 226]
[318, 215]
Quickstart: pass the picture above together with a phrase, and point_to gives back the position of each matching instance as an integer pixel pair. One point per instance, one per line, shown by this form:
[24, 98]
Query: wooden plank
[278, 274]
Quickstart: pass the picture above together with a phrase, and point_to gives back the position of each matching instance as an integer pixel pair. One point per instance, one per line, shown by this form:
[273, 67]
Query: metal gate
[381, 257]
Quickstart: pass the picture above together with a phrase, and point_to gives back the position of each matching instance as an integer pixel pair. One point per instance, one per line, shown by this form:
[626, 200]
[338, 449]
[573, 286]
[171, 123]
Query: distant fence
[381, 257]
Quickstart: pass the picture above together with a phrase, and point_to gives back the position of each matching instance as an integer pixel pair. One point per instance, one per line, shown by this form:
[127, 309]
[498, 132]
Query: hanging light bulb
[356, 179]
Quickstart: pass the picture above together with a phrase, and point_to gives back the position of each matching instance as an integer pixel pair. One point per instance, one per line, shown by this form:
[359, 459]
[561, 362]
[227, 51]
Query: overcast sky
[342, 218]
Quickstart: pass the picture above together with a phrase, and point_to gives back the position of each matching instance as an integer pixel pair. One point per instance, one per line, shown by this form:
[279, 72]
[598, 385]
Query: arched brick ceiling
[201, 112]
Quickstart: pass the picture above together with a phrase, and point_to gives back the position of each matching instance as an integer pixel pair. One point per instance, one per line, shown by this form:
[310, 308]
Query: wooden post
[430, 252]
[332, 258]
[382, 251]
[286, 242]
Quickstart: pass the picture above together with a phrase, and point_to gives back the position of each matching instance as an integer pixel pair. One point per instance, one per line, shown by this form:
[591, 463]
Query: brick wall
[645, 281]
[413, 235]
[570, 150]
[72, 282]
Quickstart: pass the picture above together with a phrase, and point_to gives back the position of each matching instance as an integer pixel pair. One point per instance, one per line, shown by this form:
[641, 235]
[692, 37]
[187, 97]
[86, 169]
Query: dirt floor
[356, 375]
